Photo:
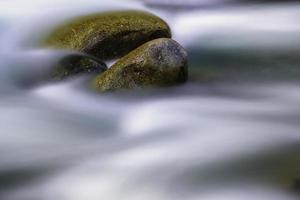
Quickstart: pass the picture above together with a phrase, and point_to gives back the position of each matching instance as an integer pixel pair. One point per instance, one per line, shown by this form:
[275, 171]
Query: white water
[213, 140]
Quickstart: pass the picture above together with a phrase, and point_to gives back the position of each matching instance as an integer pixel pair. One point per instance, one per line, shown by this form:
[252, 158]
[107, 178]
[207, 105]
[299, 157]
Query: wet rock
[75, 64]
[161, 62]
[296, 185]
[108, 35]
[35, 67]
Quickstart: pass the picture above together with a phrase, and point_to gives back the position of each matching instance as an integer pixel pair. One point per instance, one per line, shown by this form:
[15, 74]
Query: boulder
[160, 62]
[108, 35]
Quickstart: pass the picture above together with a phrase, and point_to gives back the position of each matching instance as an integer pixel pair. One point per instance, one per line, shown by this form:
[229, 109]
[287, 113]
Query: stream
[231, 132]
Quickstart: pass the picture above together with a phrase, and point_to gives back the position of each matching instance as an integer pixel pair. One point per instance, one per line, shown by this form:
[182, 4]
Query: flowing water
[231, 132]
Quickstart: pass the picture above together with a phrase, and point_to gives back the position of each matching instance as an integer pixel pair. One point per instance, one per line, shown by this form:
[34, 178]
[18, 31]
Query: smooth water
[231, 132]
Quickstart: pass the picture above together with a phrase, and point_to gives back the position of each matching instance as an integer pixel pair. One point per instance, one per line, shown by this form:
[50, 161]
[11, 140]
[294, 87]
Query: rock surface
[108, 35]
[161, 62]
[296, 185]
[75, 64]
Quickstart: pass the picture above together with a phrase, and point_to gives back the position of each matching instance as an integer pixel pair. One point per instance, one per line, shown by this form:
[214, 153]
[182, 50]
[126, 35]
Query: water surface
[231, 132]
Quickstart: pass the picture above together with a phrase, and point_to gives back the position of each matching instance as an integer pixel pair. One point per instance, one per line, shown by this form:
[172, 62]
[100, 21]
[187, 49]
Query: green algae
[108, 35]
[158, 63]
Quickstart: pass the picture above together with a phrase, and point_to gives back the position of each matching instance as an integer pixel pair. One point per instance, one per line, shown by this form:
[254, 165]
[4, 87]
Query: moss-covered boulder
[161, 62]
[108, 35]
[75, 64]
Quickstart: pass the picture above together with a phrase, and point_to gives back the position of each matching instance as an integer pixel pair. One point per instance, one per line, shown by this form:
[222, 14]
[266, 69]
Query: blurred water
[232, 132]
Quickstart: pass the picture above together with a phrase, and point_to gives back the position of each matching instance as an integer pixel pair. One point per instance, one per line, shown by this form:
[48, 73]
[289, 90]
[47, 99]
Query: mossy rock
[108, 35]
[161, 62]
[75, 64]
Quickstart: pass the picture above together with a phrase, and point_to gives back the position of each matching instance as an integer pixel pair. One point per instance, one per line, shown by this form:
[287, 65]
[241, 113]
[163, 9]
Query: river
[231, 132]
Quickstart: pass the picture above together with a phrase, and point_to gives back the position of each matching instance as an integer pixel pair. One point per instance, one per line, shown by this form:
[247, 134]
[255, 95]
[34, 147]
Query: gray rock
[160, 62]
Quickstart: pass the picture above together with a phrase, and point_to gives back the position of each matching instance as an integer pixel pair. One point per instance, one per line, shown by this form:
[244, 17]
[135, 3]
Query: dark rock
[296, 184]
[75, 64]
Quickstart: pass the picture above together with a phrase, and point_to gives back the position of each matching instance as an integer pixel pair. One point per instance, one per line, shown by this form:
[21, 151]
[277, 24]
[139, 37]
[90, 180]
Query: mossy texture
[108, 35]
[161, 62]
[76, 64]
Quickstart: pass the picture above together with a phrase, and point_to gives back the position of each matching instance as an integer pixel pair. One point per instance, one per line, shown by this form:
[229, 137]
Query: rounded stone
[75, 64]
[108, 35]
[158, 63]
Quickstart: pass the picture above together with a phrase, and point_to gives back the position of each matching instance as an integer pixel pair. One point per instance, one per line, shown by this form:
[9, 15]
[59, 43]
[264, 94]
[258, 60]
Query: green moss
[161, 62]
[108, 35]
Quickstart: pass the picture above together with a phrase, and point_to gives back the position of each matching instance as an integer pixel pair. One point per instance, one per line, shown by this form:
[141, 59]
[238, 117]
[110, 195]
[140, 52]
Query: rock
[108, 35]
[296, 184]
[39, 66]
[161, 62]
[75, 64]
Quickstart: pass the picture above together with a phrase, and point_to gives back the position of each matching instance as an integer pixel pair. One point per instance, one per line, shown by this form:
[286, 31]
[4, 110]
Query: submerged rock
[161, 62]
[108, 35]
[36, 67]
[296, 185]
[75, 64]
